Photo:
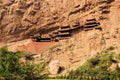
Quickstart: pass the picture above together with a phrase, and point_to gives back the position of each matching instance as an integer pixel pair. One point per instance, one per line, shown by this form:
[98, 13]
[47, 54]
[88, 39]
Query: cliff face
[19, 18]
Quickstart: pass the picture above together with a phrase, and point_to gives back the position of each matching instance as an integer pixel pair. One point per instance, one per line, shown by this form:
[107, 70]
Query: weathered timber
[90, 22]
[64, 30]
[93, 19]
[90, 26]
[63, 27]
[87, 29]
[65, 34]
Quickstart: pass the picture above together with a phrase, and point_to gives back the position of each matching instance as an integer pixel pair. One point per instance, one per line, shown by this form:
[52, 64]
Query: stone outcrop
[54, 67]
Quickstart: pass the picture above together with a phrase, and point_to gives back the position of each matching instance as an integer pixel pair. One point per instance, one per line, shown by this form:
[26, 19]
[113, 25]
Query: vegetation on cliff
[12, 68]
[105, 66]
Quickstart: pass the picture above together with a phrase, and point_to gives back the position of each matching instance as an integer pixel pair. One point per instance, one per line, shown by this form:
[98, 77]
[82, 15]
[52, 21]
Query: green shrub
[11, 68]
[97, 68]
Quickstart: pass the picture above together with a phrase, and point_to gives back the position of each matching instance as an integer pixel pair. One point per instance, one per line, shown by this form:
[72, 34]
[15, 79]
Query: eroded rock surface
[54, 66]
[19, 18]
